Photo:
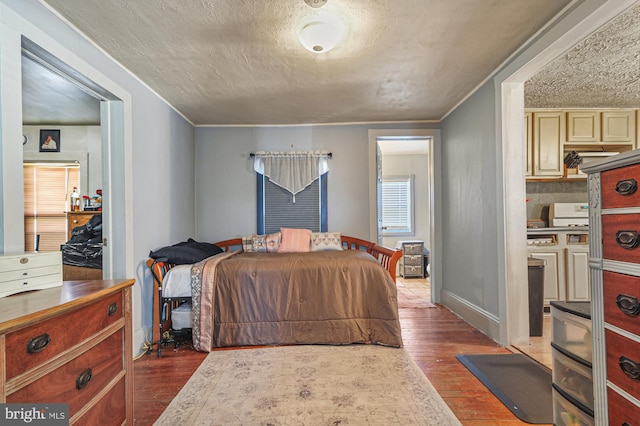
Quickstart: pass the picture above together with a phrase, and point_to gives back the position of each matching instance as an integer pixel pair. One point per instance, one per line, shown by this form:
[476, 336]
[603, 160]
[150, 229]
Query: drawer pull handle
[626, 187]
[628, 304]
[113, 308]
[629, 367]
[84, 378]
[627, 239]
[38, 343]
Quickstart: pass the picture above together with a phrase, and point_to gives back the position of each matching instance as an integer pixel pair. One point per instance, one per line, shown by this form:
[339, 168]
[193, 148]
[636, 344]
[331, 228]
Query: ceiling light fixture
[322, 32]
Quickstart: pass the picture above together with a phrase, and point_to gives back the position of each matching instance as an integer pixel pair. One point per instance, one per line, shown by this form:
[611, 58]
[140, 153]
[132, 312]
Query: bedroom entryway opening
[403, 205]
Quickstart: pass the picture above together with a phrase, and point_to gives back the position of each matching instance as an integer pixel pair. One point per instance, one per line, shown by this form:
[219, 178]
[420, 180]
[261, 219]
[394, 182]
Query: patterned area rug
[309, 385]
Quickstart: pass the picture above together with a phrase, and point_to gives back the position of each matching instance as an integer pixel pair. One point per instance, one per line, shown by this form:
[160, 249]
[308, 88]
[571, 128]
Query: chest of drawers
[614, 227]
[412, 260]
[70, 345]
[30, 271]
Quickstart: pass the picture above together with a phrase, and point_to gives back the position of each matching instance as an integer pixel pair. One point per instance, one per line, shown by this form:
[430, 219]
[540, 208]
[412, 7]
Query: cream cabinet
[554, 281]
[583, 126]
[578, 275]
[548, 144]
[619, 126]
[528, 132]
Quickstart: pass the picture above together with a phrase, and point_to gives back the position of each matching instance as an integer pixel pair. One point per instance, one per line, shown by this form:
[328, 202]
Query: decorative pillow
[259, 243]
[295, 240]
[247, 243]
[273, 242]
[326, 241]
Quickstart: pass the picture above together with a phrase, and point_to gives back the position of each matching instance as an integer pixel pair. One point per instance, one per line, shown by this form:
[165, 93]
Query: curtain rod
[330, 154]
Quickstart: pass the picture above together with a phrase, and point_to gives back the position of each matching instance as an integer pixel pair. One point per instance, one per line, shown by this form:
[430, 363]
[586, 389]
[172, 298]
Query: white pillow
[326, 241]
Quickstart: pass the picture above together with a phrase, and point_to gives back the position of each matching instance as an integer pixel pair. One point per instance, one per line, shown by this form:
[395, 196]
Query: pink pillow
[295, 240]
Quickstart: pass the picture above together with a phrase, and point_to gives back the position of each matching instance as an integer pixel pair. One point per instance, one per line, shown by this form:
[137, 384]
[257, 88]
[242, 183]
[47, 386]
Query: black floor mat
[523, 385]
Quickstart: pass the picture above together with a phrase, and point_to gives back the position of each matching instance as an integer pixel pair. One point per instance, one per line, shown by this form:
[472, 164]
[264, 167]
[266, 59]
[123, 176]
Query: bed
[242, 298]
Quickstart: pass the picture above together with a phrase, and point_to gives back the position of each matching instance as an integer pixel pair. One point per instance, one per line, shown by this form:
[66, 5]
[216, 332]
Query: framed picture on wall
[49, 140]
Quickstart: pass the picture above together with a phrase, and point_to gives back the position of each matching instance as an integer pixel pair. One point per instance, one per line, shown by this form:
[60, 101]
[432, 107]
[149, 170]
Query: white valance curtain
[293, 171]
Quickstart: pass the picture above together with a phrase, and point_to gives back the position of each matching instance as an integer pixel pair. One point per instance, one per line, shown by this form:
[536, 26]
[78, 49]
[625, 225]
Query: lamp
[321, 32]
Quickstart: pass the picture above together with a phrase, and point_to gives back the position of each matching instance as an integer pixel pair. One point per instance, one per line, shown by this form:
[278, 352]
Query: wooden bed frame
[387, 257]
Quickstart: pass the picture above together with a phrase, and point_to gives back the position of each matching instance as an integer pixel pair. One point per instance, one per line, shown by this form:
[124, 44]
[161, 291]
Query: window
[276, 208]
[47, 189]
[397, 205]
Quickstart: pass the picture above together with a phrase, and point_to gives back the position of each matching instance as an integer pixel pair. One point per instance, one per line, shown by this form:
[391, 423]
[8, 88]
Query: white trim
[435, 242]
[482, 320]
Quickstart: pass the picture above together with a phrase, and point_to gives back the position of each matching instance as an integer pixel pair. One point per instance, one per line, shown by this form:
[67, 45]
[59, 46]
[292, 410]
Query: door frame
[435, 242]
[509, 90]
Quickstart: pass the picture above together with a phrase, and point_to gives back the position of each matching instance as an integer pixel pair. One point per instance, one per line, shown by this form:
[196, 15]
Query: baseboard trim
[484, 321]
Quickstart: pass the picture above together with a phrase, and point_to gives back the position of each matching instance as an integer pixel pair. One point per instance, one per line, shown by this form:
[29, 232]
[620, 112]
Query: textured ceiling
[601, 71]
[239, 62]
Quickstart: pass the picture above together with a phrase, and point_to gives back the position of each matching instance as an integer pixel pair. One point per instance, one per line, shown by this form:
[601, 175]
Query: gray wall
[542, 194]
[226, 182]
[469, 225]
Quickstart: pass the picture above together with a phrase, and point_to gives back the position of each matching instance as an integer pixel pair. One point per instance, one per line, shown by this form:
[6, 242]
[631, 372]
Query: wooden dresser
[75, 219]
[73, 345]
[614, 228]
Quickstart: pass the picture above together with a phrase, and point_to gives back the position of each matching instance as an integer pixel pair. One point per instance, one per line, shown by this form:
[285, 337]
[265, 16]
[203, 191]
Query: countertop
[534, 231]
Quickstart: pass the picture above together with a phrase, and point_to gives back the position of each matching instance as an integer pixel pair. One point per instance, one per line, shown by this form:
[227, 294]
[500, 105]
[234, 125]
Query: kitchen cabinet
[554, 281]
[566, 253]
[548, 142]
[618, 126]
[551, 134]
[583, 126]
[578, 274]
[528, 132]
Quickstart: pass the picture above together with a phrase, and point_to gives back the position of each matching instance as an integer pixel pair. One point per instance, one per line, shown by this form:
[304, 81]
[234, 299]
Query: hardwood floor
[431, 333]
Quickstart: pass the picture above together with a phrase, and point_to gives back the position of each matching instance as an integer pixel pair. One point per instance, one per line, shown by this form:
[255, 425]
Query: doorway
[407, 153]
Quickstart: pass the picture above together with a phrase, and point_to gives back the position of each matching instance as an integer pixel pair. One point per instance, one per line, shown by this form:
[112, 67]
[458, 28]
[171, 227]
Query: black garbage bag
[90, 231]
[82, 254]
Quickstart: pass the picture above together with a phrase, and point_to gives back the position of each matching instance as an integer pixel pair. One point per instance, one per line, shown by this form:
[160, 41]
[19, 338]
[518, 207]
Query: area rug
[308, 385]
[520, 383]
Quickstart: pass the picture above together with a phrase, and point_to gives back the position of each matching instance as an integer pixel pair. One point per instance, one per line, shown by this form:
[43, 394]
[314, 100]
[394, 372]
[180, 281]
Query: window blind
[397, 205]
[47, 190]
[281, 211]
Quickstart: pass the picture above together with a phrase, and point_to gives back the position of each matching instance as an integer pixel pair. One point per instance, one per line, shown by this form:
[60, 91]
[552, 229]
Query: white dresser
[30, 271]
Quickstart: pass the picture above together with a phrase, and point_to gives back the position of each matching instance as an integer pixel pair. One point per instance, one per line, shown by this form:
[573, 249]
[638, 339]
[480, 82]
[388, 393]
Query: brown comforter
[331, 297]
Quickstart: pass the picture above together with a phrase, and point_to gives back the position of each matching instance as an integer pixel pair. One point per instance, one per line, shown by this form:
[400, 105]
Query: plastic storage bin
[565, 412]
[181, 317]
[571, 328]
[573, 376]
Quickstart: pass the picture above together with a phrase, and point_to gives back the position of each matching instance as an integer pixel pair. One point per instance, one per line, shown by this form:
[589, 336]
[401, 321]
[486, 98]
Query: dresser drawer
[413, 259]
[617, 187]
[412, 248]
[79, 380]
[412, 270]
[622, 301]
[623, 353]
[110, 410]
[30, 283]
[621, 237]
[30, 260]
[61, 332]
[621, 410]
